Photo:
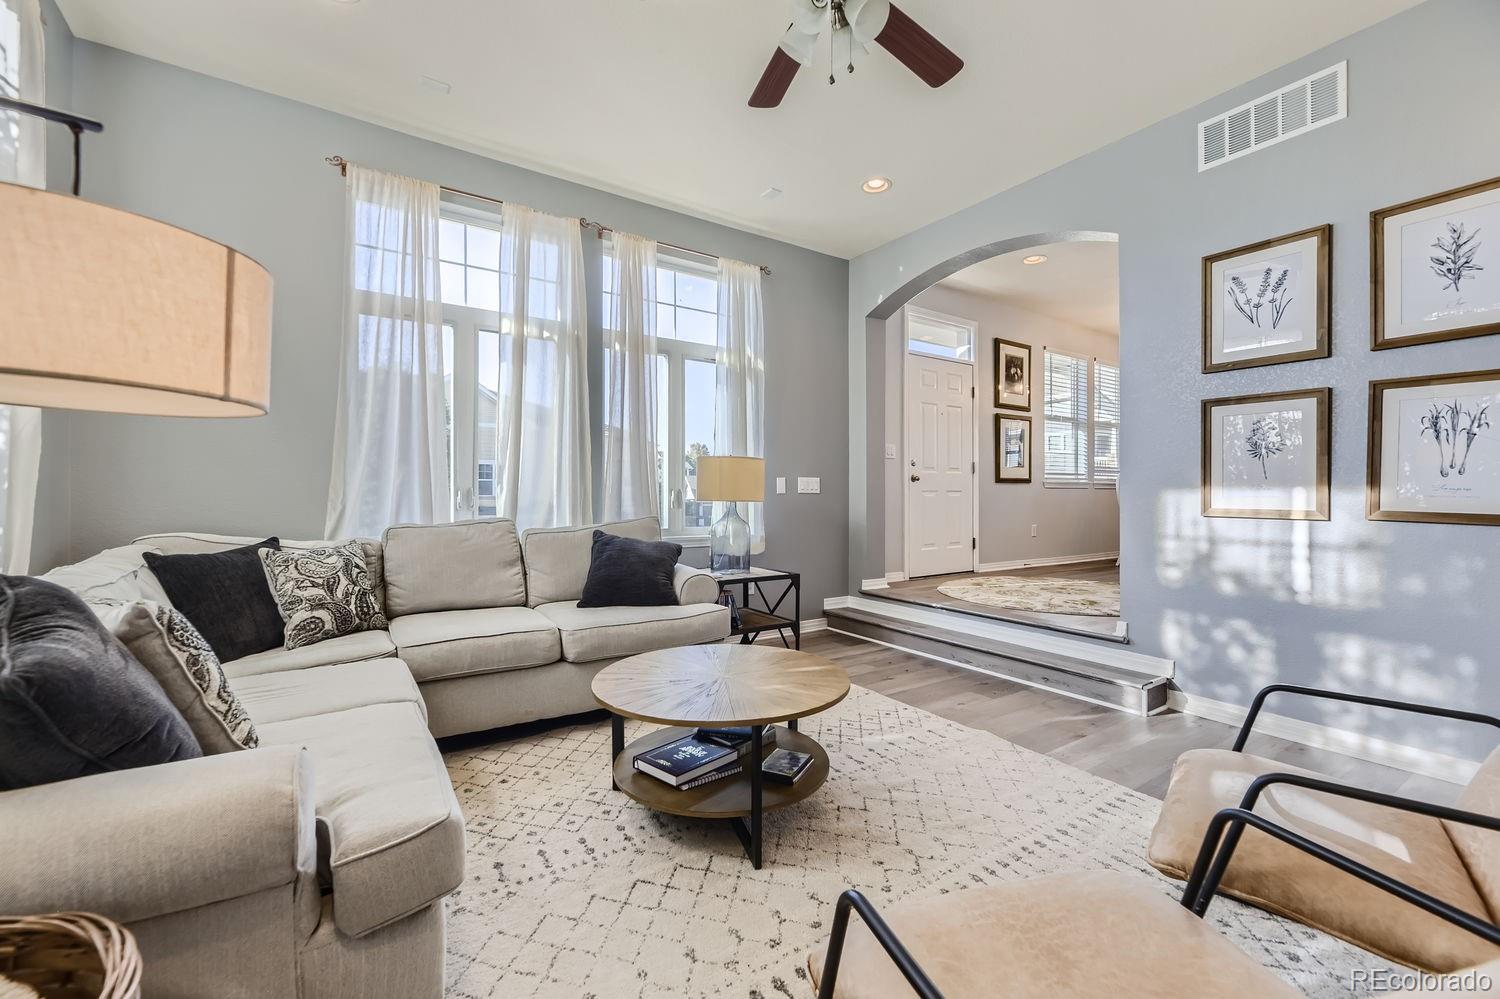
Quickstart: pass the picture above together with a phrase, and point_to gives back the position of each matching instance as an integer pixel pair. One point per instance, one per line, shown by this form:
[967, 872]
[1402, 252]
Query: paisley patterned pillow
[323, 593]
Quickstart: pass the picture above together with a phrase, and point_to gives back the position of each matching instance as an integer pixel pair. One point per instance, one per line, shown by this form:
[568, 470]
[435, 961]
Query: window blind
[1066, 412]
[1106, 424]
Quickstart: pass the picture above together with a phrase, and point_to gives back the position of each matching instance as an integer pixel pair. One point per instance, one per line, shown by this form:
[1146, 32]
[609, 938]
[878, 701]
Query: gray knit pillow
[323, 593]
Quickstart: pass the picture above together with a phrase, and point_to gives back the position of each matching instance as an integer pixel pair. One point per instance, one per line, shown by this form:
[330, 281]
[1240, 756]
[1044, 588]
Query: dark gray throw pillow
[72, 700]
[226, 597]
[628, 572]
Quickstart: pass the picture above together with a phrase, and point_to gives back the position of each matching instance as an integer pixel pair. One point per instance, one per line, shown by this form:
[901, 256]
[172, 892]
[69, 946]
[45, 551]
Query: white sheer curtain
[23, 159]
[390, 450]
[631, 481]
[740, 396]
[542, 410]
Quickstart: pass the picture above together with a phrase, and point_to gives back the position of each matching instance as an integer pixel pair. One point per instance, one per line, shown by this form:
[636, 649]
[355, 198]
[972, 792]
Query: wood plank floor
[1127, 749]
[924, 591]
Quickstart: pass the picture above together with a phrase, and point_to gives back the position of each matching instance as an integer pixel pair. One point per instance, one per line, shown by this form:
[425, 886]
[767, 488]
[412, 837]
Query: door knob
[916, 478]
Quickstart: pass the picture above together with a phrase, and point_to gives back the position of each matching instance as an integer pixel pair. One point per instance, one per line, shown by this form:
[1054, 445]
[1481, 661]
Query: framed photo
[1012, 448]
[1435, 267]
[1012, 375]
[1267, 456]
[1268, 303]
[1434, 451]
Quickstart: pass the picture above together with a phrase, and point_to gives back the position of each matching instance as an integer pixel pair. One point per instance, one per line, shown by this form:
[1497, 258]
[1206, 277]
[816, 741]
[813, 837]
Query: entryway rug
[574, 890]
[1039, 594]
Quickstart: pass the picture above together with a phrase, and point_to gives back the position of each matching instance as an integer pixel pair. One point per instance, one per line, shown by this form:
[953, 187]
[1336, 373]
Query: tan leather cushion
[557, 558]
[1480, 848]
[1413, 848]
[1098, 933]
[459, 566]
[463, 642]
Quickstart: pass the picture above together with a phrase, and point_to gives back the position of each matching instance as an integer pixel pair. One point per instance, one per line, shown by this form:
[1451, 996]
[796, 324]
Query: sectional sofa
[315, 865]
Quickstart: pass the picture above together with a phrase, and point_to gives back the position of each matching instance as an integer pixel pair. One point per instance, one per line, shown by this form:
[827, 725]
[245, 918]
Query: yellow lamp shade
[101, 309]
[731, 479]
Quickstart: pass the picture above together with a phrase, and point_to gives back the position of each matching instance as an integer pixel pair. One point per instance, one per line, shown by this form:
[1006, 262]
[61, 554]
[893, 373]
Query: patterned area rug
[1039, 594]
[575, 890]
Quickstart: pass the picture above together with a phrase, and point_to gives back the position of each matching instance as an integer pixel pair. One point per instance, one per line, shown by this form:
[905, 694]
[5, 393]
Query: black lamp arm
[75, 123]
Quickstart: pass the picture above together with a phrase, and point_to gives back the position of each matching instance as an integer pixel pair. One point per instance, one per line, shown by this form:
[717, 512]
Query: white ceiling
[648, 97]
[1079, 283]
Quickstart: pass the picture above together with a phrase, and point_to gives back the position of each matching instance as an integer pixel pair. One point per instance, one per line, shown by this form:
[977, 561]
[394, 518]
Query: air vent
[1310, 103]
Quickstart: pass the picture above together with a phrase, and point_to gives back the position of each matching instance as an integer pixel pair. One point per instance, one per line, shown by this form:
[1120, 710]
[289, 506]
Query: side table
[755, 620]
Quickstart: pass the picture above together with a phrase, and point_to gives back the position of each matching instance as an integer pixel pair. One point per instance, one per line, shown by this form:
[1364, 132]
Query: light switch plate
[780, 484]
[890, 452]
[809, 484]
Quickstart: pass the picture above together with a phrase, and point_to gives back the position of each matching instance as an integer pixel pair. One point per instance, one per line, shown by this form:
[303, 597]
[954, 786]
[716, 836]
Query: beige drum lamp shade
[101, 309]
[731, 479]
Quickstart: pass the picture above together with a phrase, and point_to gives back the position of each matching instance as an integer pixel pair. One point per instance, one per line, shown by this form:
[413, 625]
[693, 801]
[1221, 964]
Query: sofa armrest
[694, 585]
[134, 844]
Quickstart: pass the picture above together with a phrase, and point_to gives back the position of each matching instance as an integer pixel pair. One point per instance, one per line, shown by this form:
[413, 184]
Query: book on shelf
[785, 766]
[685, 761]
[738, 738]
[727, 770]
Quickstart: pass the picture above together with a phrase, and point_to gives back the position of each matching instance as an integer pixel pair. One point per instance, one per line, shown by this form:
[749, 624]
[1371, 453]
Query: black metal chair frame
[1219, 842]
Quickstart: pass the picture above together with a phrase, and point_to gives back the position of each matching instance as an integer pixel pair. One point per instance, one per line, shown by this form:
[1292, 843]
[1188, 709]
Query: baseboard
[873, 584]
[1016, 634]
[895, 577]
[1028, 563]
[1362, 747]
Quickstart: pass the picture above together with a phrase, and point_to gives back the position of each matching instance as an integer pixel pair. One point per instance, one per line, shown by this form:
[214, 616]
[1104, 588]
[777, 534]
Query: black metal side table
[768, 617]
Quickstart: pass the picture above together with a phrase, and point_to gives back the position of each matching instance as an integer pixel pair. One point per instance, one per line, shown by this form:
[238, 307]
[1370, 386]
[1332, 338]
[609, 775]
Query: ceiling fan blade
[775, 80]
[917, 50]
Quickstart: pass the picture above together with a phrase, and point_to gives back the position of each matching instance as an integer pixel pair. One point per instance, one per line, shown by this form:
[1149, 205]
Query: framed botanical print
[1435, 267]
[1434, 453]
[1012, 375]
[1267, 456]
[1012, 448]
[1269, 302]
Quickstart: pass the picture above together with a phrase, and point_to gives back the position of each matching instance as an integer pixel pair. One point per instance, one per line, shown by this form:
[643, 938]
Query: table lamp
[731, 480]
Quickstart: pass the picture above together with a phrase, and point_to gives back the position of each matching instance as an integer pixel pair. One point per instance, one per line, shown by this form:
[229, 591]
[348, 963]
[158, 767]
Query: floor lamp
[105, 310]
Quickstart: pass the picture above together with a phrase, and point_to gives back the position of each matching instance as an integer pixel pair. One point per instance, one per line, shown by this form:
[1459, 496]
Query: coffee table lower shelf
[731, 798]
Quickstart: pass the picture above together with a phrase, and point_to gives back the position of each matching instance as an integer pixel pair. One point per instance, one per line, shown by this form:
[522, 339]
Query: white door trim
[973, 326]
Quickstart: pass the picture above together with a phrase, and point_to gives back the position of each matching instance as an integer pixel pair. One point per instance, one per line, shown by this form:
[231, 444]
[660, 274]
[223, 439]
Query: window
[937, 335]
[1074, 419]
[1066, 415]
[687, 330]
[1106, 425]
[486, 487]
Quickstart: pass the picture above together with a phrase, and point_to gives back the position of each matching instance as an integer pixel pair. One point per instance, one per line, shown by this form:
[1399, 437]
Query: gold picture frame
[1387, 434]
[1252, 314]
[1307, 474]
[1444, 257]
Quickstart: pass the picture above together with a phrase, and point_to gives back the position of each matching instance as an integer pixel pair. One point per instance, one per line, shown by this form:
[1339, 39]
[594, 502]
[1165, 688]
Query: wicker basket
[69, 955]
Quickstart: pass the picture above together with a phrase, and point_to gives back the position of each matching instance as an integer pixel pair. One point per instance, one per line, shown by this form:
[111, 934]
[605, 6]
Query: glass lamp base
[729, 542]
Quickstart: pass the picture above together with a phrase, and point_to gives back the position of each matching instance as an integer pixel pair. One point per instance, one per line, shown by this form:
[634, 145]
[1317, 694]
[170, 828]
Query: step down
[1122, 689]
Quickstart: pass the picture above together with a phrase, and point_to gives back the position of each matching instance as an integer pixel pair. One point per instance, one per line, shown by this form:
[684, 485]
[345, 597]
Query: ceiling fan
[866, 22]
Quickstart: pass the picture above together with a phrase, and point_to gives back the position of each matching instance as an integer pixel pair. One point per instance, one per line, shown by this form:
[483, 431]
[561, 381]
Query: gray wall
[247, 169]
[1405, 610]
[1069, 522]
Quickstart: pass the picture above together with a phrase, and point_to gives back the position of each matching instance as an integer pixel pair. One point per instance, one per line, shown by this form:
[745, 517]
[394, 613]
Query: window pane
[697, 436]
[697, 327]
[482, 287]
[666, 322]
[451, 277]
[933, 337]
[1066, 412]
[450, 241]
[487, 382]
[663, 428]
[665, 286]
[483, 247]
[448, 405]
[696, 291]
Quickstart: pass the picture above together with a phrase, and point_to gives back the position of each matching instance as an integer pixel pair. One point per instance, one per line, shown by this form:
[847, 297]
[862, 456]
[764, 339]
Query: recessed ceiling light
[876, 185]
[1035, 258]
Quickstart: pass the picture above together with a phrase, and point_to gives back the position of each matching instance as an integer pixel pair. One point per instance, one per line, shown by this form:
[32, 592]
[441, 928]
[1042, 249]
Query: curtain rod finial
[339, 162]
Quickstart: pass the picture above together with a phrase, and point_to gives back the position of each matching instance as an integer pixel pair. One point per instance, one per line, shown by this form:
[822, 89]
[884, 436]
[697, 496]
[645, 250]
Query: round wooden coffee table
[719, 686]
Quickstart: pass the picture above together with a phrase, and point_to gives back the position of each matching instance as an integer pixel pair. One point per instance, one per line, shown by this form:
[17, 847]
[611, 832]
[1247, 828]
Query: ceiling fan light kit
[862, 23]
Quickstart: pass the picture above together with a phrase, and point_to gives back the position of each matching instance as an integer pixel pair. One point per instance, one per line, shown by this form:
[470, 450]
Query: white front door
[938, 469]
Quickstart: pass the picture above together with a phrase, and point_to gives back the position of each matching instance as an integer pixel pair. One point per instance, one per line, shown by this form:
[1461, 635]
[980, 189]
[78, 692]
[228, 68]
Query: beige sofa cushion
[590, 633]
[321, 690]
[1284, 880]
[468, 564]
[114, 575]
[462, 642]
[557, 558]
[1097, 933]
[357, 647]
[1480, 848]
[395, 835]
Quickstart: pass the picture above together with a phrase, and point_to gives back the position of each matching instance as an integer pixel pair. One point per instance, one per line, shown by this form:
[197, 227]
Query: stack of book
[709, 754]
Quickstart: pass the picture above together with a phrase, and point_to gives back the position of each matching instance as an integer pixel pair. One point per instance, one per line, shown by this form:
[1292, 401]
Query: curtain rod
[599, 227]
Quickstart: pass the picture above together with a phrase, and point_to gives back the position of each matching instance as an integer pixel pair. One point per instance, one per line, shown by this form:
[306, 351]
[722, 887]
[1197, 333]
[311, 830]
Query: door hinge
[973, 394]
[973, 544]
[973, 468]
